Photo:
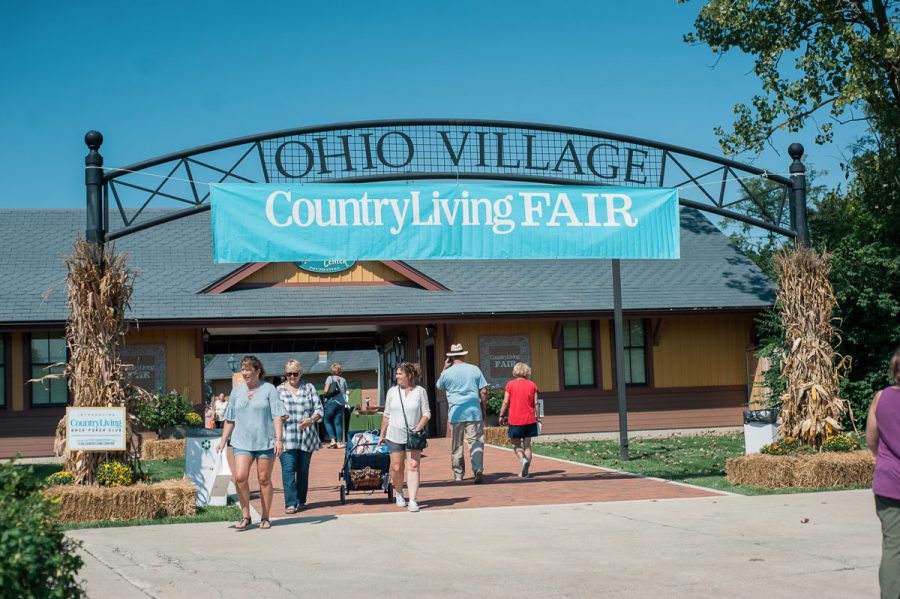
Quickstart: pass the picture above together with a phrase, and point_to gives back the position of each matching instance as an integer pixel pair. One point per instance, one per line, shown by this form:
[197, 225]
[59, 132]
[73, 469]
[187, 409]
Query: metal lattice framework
[442, 149]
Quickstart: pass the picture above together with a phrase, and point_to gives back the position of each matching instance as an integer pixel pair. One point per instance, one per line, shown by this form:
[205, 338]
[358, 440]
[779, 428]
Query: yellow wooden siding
[544, 361]
[183, 366]
[702, 351]
[606, 353]
[361, 272]
[15, 372]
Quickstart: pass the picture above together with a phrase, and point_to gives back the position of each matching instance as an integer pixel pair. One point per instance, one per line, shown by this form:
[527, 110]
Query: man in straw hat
[466, 391]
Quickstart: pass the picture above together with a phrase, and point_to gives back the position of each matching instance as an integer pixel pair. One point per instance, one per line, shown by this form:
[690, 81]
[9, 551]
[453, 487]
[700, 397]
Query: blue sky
[157, 77]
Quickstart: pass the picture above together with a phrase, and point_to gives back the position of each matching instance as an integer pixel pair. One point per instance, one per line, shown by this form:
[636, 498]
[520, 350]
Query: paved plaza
[572, 531]
[554, 481]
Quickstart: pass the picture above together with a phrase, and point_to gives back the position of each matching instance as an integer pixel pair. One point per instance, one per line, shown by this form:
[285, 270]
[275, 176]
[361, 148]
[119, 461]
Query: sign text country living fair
[422, 221]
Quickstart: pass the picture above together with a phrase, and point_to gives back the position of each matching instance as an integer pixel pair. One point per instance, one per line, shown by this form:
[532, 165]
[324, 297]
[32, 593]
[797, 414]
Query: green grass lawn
[156, 470]
[694, 459]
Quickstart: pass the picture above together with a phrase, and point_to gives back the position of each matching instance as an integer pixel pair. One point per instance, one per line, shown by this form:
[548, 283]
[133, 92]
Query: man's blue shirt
[463, 382]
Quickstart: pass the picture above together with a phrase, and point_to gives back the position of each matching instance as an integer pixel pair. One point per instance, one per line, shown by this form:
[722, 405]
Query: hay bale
[834, 469]
[496, 435]
[819, 470]
[81, 503]
[163, 449]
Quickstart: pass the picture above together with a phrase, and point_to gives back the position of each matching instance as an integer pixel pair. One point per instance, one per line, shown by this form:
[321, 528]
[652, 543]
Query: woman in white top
[219, 406]
[406, 397]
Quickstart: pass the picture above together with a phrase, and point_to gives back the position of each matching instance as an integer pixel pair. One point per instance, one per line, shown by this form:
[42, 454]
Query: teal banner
[436, 221]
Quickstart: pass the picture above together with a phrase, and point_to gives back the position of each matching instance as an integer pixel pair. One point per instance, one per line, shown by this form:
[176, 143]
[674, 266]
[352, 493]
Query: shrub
[785, 446]
[36, 559]
[115, 474]
[193, 419]
[494, 400]
[59, 478]
[163, 409]
[840, 443]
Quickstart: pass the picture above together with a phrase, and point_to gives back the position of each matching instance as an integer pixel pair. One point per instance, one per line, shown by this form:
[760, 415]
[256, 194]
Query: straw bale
[83, 503]
[816, 471]
[163, 449]
[496, 435]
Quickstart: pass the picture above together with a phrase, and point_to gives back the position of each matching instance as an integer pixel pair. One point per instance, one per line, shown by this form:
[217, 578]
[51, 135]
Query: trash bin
[208, 470]
[760, 428]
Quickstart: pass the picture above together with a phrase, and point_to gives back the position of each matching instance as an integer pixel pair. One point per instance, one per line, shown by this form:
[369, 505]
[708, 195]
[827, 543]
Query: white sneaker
[413, 506]
[525, 465]
[400, 501]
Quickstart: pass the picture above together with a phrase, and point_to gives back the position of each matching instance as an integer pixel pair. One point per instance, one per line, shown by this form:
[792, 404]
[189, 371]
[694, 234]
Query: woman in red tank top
[520, 397]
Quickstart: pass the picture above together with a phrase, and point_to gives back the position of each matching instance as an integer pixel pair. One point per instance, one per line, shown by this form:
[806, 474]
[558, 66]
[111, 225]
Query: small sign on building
[146, 363]
[95, 429]
[498, 355]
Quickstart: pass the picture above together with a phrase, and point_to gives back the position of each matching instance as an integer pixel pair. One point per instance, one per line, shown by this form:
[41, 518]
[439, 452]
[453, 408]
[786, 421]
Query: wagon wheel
[343, 495]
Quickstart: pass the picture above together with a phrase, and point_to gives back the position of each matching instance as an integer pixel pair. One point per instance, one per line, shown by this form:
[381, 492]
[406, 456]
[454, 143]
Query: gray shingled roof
[350, 361]
[174, 262]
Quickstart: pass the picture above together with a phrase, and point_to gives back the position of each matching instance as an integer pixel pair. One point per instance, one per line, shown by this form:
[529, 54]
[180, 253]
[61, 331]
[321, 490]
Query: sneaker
[413, 506]
[457, 477]
[525, 465]
[478, 477]
[400, 501]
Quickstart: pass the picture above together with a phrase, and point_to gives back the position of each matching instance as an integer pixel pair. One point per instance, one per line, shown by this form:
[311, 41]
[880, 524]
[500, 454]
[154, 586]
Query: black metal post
[93, 181]
[619, 326]
[798, 201]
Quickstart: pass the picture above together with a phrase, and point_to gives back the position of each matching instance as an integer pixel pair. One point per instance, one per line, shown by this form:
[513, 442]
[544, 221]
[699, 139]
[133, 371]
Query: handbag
[334, 390]
[414, 439]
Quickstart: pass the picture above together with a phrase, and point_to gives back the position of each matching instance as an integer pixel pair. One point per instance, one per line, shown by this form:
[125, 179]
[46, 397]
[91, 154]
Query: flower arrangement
[785, 446]
[115, 474]
[59, 478]
[840, 443]
[193, 419]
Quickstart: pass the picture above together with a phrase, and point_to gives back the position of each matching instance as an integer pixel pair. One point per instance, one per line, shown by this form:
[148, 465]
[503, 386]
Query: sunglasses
[291, 374]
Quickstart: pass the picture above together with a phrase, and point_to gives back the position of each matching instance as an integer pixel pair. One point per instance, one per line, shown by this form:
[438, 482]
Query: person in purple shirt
[883, 439]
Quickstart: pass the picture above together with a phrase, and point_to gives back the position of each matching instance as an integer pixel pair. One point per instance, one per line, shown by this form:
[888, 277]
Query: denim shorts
[394, 447]
[255, 453]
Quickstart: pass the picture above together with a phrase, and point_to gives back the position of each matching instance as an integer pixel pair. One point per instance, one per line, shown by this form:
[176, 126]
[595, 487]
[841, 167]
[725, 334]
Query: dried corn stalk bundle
[99, 287]
[811, 407]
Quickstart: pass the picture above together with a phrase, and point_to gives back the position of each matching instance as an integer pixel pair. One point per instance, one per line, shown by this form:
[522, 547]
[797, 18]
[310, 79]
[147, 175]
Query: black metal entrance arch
[438, 149]
[446, 149]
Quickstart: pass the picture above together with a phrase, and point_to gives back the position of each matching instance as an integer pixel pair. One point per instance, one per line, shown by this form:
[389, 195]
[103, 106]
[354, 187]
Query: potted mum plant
[169, 414]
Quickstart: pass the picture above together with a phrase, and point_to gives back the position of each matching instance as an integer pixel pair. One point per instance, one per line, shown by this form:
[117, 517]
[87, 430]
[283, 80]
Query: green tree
[839, 56]
[859, 229]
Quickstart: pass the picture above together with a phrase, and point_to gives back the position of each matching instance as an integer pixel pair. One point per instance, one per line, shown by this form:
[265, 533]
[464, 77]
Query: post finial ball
[795, 151]
[93, 139]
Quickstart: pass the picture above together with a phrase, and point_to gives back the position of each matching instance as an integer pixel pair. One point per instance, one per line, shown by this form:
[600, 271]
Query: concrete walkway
[807, 545]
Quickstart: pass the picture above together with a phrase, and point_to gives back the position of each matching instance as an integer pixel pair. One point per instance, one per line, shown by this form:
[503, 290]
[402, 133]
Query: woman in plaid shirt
[303, 410]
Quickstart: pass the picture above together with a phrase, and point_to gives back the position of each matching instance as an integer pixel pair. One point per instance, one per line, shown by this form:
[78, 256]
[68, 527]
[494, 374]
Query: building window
[2, 372]
[578, 354]
[48, 349]
[635, 352]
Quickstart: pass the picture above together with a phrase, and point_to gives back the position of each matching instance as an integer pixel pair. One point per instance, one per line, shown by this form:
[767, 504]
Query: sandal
[290, 509]
[264, 524]
[244, 523]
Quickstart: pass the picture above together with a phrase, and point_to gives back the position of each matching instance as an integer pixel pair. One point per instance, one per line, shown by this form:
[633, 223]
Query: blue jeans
[295, 476]
[334, 421]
